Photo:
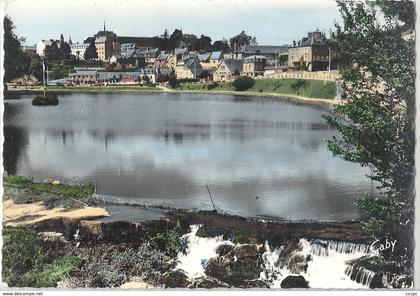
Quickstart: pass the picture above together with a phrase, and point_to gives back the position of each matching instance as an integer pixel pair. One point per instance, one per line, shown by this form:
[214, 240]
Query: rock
[237, 267]
[223, 249]
[174, 279]
[294, 281]
[209, 231]
[208, 283]
[296, 263]
[55, 182]
[136, 283]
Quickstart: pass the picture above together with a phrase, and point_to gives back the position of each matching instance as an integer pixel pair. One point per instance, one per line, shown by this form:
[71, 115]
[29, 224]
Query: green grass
[50, 274]
[288, 86]
[66, 190]
[24, 264]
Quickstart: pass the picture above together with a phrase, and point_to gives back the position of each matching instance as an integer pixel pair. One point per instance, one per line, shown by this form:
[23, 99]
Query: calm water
[162, 149]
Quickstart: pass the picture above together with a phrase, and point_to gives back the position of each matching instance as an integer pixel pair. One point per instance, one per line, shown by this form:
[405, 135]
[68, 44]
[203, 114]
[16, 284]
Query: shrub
[21, 253]
[115, 266]
[243, 83]
[50, 273]
[24, 264]
[168, 242]
[211, 86]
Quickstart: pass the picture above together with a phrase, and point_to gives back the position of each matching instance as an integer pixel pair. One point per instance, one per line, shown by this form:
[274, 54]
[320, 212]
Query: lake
[260, 157]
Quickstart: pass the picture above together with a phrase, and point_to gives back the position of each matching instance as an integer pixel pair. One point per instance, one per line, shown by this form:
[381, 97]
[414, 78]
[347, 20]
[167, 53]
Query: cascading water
[199, 250]
[326, 269]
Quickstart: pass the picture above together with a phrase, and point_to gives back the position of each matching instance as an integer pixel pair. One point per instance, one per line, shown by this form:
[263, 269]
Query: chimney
[309, 34]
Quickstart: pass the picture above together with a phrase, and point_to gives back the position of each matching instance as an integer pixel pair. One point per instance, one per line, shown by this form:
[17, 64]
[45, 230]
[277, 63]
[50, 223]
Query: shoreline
[326, 103]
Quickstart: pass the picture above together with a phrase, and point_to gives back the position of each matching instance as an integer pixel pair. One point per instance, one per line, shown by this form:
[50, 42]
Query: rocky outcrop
[294, 281]
[239, 267]
[174, 279]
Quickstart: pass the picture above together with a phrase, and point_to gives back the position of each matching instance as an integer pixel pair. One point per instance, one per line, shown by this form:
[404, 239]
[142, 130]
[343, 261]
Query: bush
[24, 264]
[243, 83]
[168, 242]
[50, 273]
[21, 253]
[115, 266]
[212, 85]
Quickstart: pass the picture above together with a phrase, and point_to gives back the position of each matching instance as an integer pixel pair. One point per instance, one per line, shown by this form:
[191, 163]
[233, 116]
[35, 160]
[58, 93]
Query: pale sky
[273, 22]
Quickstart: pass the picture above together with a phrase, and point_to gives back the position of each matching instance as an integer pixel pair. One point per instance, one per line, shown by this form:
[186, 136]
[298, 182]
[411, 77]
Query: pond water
[260, 157]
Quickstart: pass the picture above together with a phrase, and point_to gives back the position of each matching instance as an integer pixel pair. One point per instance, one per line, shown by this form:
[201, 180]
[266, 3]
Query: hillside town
[124, 60]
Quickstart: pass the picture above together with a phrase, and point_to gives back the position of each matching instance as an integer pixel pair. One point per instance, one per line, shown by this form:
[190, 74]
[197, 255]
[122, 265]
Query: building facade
[254, 65]
[228, 69]
[311, 53]
[78, 50]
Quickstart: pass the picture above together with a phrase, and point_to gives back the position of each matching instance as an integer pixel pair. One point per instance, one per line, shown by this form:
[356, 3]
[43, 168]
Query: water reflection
[164, 149]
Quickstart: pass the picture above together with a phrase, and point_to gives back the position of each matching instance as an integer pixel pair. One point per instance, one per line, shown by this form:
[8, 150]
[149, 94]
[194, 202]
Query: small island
[49, 99]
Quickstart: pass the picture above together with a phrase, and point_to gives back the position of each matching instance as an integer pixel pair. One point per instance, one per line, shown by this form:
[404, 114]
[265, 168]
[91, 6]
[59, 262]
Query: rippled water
[260, 157]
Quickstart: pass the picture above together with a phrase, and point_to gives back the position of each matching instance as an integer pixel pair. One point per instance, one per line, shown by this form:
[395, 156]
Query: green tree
[377, 52]
[243, 83]
[35, 67]
[242, 39]
[65, 49]
[90, 52]
[52, 52]
[16, 63]
[221, 45]
[172, 81]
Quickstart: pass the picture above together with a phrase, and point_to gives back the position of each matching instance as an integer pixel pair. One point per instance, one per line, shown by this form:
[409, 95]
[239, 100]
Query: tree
[241, 39]
[16, 63]
[243, 83]
[51, 51]
[221, 45]
[377, 54]
[172, 81]
[204, 43]
[175, 39]
[65, 50]
[90, 52]
[35, 67]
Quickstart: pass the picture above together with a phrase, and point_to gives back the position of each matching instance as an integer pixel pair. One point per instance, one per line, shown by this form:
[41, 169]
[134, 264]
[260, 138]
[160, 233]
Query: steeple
[104, 27]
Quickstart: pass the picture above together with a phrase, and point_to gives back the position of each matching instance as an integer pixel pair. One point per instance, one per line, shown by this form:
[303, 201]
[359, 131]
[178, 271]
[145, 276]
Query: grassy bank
[23, 190]
[297, 87]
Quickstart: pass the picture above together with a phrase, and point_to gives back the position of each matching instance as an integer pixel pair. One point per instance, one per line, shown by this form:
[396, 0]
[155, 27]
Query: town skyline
[266, 20]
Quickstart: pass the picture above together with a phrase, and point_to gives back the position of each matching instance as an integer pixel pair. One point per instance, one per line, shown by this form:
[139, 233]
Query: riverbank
[311, 92]
[166, 252]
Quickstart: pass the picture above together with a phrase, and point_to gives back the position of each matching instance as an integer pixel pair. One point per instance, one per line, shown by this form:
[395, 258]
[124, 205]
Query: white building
[40, 47]
[78, 50]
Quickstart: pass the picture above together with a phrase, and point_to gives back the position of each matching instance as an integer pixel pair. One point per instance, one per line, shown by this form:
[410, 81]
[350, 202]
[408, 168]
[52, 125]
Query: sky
[272, 22]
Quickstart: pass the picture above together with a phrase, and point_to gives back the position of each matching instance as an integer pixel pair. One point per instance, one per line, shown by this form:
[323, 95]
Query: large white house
[78, 50]
[40, 47]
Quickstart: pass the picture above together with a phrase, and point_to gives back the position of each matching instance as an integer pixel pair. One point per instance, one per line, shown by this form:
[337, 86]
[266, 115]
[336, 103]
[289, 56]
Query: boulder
[55, 182]
[174, 279]
[237, 267]
[208, 283]
[224, 249]
[294, 281]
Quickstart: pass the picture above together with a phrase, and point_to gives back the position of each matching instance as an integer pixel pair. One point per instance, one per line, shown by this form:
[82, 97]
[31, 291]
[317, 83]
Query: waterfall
[326, 268]
[363, 276]
[198, 252]
[272, 274]
[323, 247]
